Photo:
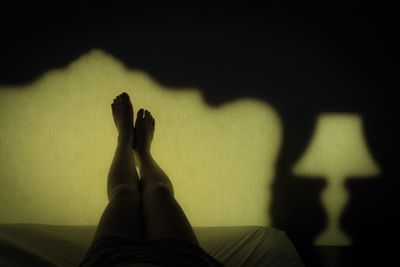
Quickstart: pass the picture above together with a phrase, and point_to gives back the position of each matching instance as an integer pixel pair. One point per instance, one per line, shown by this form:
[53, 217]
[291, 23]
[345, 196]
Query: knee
[158, 190]
[125, 191]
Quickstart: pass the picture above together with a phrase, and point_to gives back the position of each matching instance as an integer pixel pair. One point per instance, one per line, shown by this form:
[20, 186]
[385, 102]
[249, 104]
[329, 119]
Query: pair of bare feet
[138, 136]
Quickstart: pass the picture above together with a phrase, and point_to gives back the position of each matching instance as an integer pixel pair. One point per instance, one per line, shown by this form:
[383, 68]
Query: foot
[144, 133]
[123, 117]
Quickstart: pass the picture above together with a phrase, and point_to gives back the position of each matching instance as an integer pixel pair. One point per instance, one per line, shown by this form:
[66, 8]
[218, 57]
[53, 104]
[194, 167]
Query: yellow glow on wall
[337, 151]
[57, 140]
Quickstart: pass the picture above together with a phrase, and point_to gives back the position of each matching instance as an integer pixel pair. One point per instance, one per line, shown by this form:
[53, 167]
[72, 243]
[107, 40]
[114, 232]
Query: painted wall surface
[58, 138]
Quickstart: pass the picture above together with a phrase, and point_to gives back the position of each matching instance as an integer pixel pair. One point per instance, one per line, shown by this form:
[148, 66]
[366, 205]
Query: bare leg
[123, 167]
[162, 214]
[123, 214]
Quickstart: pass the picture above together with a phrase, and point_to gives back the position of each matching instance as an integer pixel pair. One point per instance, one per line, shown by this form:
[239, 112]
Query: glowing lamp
[337, 151]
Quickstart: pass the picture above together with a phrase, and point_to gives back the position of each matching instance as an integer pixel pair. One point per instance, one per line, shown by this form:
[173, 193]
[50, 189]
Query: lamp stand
[334, 198]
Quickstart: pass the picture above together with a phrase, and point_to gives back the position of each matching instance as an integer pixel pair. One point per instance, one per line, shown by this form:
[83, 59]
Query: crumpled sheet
[58, 245]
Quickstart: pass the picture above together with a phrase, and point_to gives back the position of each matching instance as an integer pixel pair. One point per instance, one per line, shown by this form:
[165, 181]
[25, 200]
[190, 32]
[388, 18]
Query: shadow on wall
[304, 61]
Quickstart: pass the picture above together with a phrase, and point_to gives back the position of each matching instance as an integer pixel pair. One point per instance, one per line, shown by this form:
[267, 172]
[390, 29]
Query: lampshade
[337, 150]
[337, 147]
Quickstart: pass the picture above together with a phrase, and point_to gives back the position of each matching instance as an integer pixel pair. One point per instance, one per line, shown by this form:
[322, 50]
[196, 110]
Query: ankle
[144, 155]
[125, 139]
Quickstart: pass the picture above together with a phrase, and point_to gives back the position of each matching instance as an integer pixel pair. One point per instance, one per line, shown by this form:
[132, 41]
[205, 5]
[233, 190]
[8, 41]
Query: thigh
[163, 216]
[123, 214]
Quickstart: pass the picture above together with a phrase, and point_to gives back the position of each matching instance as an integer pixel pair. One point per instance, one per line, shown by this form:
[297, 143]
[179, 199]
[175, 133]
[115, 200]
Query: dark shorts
[120, 249]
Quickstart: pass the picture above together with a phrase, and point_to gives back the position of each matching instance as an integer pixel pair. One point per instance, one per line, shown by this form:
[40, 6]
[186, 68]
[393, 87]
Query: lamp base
[332, 238]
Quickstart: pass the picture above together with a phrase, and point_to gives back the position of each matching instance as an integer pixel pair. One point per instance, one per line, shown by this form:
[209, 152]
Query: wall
[58, 139]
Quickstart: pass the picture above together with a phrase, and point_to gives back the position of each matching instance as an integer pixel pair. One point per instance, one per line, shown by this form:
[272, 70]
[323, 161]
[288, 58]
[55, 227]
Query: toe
[140, 113]
[124, 96]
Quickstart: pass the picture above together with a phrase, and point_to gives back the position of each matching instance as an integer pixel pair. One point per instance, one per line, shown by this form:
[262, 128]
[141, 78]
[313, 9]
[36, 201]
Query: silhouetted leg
[162, 214]
[123, 214]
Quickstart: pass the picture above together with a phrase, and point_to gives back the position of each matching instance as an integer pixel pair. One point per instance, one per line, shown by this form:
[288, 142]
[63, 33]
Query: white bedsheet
[58, 245]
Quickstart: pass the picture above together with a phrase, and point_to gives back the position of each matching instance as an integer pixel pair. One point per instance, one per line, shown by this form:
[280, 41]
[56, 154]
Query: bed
[60, 245]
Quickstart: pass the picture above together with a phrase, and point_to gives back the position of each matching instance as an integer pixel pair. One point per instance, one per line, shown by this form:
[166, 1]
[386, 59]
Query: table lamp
[337, 151]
